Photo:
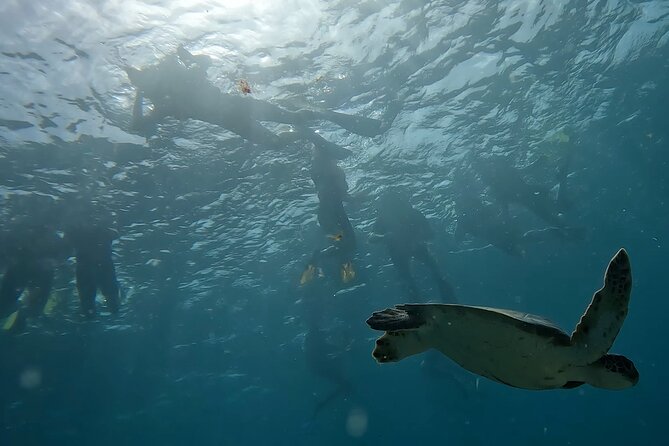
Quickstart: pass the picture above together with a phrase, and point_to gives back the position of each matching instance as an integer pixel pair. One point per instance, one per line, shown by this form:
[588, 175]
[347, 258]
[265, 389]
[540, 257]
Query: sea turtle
[518, 349]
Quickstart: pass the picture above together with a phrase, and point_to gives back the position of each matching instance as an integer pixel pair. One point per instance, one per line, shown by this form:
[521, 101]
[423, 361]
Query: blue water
[210, 346]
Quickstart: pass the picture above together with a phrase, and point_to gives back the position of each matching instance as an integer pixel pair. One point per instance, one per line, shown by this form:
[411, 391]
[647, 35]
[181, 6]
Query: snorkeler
[508, 186]
[494, 225]
[330, 182]
[31, 253]
[323, 358]
[486, 222]
[178, 87]
[92, 243]
[406, 232]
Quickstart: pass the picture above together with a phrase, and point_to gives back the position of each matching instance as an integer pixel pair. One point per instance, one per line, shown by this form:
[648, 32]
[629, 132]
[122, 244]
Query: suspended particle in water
[30, 378]
[356, 423]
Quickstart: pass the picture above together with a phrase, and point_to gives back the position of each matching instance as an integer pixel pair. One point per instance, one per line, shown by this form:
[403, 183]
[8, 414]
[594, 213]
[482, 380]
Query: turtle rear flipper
[612, 372]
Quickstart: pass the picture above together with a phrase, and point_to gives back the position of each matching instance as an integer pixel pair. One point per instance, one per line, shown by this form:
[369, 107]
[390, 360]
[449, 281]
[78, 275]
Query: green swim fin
[50, 305]
[10, 321]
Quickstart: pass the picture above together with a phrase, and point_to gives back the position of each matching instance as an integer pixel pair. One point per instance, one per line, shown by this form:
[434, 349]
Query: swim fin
[15, 322]
[336, 237]
[51, 304]
[347, 272]
[9, 321]
[308, 275]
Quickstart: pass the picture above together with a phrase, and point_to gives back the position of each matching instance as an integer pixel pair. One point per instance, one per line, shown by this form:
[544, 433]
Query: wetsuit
[95, 267]
[31, 254]
[332, 189]
[178, 87]
[406, 232]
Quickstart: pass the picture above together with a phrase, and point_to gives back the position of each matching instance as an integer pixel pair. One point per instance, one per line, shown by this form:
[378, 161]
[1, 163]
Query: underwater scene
[311, 222]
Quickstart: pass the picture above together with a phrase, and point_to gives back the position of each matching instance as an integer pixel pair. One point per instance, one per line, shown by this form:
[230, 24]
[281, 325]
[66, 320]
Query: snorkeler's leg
[108, 285]
[258, 110]
[253, 132]
[330, 149]
[244, 122]
[403, 268]
[346, 244]
[346, 251]
[10, 289]
[359, 125]
[348, 233]
[42, 282]
[266, 111]
[446, 290]
[87, 289]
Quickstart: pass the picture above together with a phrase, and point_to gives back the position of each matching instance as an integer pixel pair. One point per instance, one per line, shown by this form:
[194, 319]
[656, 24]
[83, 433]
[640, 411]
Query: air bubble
[30, 378]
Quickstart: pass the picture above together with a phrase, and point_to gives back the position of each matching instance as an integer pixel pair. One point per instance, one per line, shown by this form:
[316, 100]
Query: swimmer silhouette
[508, 186]
[406, 231]
[494, 224]
[332, 189]
[92, 243]
[31, 252]
[178, 87]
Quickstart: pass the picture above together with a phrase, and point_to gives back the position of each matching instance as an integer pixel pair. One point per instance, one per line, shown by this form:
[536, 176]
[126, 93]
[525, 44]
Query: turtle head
[394, 346]
[614, 372]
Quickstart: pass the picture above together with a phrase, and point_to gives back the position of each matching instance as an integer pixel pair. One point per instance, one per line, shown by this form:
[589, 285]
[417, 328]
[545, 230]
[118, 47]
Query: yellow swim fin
[308, 275]
[347, 272]
[51, 304]
[336, 237]
[10, 321]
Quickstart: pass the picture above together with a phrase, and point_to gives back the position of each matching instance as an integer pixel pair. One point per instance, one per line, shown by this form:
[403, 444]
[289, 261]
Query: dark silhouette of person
[507, 185]
[493, 223]
[31, 252]
[406, 232]
[483, 220]
[92, 243]
[332, 188]
[178, 87]
[323, 358]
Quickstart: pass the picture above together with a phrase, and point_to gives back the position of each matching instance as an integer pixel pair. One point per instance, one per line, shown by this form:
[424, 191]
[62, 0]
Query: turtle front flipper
[601, 322]
[402, 317]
